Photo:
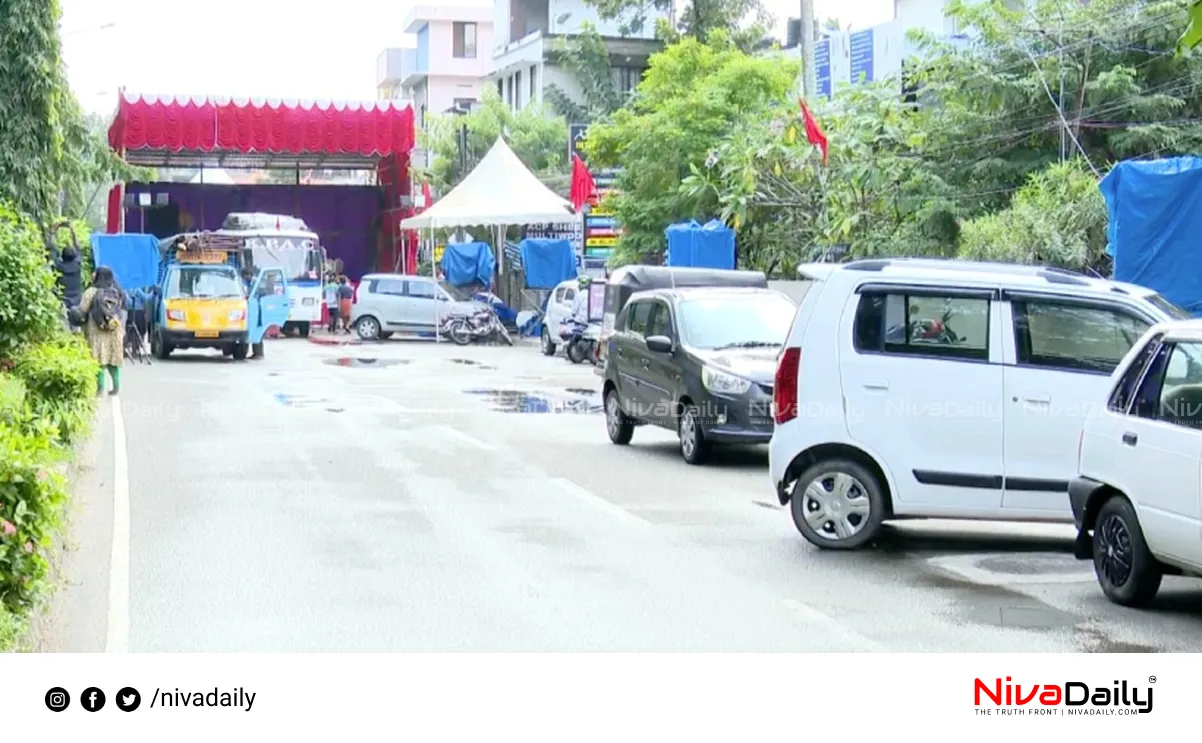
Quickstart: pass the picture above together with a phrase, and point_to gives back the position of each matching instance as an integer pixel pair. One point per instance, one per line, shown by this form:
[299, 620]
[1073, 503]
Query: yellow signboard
[438, 251]
[202, 256]
[601, 242]
[600, 213]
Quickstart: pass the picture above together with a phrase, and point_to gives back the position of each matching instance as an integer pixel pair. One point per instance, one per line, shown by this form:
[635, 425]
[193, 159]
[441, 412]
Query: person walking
[345, 297]
[332, 307]
[102, 305]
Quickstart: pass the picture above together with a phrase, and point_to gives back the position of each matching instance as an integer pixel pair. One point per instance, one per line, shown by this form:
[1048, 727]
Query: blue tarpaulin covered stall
[1155, 226]
[547, 262]
[134, 258]
[468, 263]
[691, 245]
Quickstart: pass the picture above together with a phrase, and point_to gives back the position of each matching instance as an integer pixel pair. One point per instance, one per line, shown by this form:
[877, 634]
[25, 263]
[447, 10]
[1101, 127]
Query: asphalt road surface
[407, 496]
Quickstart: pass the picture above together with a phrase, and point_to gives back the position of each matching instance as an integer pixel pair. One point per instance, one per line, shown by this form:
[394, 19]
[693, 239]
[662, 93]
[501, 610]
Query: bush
[29, 307]
[60, 384]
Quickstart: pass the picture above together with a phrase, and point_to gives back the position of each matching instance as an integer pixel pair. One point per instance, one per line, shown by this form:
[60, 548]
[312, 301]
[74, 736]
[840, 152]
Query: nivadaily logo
[1069, 697]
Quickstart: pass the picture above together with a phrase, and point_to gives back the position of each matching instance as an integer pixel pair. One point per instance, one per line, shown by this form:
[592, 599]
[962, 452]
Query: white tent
[500, 190]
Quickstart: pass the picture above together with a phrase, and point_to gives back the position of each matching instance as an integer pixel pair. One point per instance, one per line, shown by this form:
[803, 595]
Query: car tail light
[784, 390]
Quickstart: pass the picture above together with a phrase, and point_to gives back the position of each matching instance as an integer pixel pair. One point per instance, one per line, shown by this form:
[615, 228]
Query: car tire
[618, 425]
[549, 347]
[239, 351]
[825, 516]
[257, 349]
[1127, 572]
[303, 329]
[693, 446]
[159, 347]
[385, 335]
[368, 328]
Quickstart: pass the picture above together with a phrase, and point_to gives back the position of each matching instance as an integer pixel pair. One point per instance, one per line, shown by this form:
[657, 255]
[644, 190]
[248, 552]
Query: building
[443, 72]
[527, 33]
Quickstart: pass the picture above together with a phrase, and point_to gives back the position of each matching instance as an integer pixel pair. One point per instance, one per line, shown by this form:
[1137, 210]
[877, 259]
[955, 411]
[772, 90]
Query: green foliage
[60, 379]
[694, 97]
[540, 141]
[29, 308]
[586, 57]
[744, 21]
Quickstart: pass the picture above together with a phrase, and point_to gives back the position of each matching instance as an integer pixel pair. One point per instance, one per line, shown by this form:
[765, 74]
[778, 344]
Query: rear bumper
[1080, 492]
[188, 338]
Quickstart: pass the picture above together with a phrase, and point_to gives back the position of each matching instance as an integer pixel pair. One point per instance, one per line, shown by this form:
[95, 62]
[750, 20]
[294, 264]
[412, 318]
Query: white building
[526, 34]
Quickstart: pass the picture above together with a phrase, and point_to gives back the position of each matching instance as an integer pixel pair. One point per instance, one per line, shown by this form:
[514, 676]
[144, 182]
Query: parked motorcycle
[580, 341]
[482, 326]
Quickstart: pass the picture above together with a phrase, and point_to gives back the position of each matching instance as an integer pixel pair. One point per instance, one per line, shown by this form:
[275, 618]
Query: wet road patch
[521, 401]
[353, 362]
[469, 362]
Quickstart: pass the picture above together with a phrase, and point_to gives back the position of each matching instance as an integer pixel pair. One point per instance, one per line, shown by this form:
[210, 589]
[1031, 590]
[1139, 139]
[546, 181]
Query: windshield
[759, 320]
[298, 257]
[459, 295]
[1167, 307]
[204, 283]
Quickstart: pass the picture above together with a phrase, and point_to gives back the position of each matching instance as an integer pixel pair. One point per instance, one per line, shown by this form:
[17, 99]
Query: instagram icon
[57, 699]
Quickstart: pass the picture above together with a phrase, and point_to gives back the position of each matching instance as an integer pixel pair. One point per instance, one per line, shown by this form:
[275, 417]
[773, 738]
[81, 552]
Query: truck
[286, 243]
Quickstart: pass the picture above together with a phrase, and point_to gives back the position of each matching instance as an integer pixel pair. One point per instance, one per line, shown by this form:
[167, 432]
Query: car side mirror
[659, 344]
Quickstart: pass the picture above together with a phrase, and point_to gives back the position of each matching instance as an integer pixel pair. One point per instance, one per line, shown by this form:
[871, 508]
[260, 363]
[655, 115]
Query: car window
[1180, 401]
[569, 295]
[421, 289]
[388, 286]
[759, 320]
[638, 314]
[1124, 391]
[1073, 337]
[955, 327]
[660, 322]
[559, 293]
[1167, 307]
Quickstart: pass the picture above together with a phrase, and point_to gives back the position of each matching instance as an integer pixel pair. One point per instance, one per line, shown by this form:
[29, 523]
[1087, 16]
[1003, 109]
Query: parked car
[698, 361]
[1138, 499]
[387, 303]
[559, 309]
[942, 389]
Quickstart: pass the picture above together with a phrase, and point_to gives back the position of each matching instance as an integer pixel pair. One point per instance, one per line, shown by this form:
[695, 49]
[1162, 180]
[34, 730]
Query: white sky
[278, 48]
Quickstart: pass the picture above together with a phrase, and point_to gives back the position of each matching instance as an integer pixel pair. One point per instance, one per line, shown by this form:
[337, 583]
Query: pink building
[445, 69]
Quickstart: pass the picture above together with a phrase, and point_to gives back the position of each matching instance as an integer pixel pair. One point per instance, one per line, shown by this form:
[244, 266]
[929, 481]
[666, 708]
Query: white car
[559, 309]
[1138, 500]
[387, 303]
[916, 388]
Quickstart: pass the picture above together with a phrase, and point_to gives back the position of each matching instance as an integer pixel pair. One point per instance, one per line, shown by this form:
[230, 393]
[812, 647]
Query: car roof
[398, 276]
[979, 272]
[693, 292]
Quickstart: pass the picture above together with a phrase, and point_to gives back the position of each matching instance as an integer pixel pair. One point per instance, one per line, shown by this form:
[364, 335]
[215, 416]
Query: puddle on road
[518, 401]
[582, 391]
[349, 361]
[469, 362]
[998, 606]
[299, 401]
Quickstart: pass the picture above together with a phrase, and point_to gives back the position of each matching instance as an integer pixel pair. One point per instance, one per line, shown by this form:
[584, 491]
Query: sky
[276, 48]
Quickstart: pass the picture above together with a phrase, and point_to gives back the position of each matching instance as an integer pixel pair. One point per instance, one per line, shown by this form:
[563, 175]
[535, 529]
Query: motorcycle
[481, 326]
[580, 341]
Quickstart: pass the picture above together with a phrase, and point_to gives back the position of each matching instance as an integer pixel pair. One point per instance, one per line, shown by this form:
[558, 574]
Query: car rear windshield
[760, 320]
[204, 283]
[1159, 302]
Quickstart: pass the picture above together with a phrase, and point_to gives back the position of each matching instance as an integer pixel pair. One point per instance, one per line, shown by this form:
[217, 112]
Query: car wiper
[747, 344]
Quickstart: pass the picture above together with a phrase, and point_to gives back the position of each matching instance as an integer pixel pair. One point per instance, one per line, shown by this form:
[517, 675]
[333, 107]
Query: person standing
[102, 306]
[332, 302]
[346, 296]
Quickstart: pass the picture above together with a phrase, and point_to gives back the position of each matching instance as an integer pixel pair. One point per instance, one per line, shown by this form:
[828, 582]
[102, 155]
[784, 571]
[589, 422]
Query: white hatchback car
[916, 388]
[1139, 493]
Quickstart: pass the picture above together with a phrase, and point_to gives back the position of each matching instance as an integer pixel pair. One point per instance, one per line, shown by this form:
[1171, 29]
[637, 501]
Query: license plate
[207, 334]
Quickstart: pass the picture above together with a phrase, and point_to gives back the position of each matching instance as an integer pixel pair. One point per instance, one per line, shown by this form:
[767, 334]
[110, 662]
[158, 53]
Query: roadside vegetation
[51, 165]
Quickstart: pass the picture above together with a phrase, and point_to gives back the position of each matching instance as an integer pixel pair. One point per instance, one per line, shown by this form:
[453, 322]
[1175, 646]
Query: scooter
[580, 341]
[479, 327]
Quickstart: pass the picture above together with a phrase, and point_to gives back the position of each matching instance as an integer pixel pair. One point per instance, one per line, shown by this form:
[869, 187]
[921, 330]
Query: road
[407, 496]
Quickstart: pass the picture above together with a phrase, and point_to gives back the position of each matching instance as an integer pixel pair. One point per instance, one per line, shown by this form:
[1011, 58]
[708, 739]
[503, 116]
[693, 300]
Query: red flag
[584, 188]
[813, 131]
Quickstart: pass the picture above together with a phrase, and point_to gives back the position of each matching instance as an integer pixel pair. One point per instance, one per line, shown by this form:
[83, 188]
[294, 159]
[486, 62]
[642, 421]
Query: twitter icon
[128, 699]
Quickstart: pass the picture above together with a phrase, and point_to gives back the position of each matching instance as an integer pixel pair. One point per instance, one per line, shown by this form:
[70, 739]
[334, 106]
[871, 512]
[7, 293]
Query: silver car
[388, 303]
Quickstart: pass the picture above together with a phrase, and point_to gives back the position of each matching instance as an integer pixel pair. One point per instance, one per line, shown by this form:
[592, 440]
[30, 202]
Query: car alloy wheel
[368, 328]
[1114, 550]
[692, 441]
[548, 345]
[617, 424]
[835, 505]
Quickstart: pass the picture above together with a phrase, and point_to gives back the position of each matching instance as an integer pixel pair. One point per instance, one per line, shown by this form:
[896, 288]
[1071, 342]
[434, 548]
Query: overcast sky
[278, 48]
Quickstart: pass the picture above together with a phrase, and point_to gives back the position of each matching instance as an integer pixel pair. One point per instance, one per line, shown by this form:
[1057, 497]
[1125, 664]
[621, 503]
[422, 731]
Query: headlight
[236, 315]
[175, 315]
[721, 383]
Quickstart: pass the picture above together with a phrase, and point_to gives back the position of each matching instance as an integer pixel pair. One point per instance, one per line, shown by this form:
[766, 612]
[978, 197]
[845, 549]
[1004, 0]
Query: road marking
[118, 617]
[855, 641]
[598, 502]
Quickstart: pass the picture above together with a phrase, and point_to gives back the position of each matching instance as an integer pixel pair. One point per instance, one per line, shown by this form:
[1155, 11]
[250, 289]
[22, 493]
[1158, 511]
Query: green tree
[539, 140]
[586, 57]
[694, 96]
[744, 20]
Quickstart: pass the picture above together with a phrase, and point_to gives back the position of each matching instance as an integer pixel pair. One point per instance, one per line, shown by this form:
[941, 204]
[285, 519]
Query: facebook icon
[92, 699]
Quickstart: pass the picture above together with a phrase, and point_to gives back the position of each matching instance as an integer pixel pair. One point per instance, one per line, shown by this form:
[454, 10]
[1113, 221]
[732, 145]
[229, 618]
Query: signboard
[600, 242]
[576, 135]
[861, 56]
[596, 300]
[822, 67]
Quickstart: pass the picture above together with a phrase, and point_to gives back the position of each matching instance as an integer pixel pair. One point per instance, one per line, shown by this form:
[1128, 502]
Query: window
[533, 83]
[559, 293]
[388, 286]
[1073, 337]
[421, 289]
[1180, 400]
[517, 89]
[463, 105]
[204, 283]
[638, 316]
[660, 322]
[1167, 307]
[925, 325]
[569, 295]
[463, 40]
[748, 321]
[1124, 391]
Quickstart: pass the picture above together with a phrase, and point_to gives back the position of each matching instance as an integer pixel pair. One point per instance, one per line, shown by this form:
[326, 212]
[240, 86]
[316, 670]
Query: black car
[699, 361]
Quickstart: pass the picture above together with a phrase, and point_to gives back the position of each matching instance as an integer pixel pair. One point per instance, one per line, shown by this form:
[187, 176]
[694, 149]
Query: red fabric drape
[205, 126]
[584, 188]
[116, 210]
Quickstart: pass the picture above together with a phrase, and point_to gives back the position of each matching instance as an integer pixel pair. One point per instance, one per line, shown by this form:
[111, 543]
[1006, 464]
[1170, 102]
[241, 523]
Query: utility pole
[809, 74]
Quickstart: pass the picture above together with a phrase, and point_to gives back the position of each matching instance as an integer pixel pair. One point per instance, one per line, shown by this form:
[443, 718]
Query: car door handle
[874, 385]
[1130, 439]
[1038, 399]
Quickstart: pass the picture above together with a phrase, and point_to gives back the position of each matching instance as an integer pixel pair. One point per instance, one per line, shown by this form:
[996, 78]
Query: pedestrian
[345, 296]
[102, 306]
[332, 303]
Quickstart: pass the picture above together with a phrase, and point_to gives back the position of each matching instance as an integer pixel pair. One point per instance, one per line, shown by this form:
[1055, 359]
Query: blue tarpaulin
[691, 245]
[134, 258]
[547, 262]
[468, 263]
[1155, 231]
